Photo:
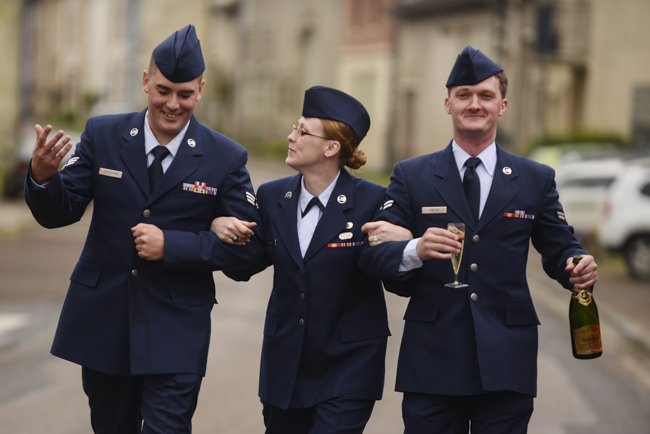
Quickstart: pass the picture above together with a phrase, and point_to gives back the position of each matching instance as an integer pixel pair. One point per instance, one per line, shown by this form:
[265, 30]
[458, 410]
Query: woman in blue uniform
[326, 327]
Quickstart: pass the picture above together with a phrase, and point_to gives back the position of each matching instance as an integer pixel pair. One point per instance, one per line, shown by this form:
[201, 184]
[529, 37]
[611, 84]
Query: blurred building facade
[267, 53]
[571, 63]
[79, 55]
[9, 32]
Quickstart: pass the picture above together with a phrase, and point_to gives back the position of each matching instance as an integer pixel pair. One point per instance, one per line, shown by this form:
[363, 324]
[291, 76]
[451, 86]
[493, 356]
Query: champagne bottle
[585, 326]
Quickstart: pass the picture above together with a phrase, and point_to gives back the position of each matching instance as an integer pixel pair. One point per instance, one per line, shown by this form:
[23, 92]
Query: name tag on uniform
[110, 173]
[434, 210]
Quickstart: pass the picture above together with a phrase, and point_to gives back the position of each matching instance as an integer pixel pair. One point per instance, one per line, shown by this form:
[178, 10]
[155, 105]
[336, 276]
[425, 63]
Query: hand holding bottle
[583, 317]
[583, 274]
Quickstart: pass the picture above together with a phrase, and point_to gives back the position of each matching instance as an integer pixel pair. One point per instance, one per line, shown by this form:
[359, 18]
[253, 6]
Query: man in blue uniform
[469, 354]
[137, 313]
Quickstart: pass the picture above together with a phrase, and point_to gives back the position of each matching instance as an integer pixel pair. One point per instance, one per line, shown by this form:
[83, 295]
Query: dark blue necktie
[314, 201]
[472, 186]
[156, 170]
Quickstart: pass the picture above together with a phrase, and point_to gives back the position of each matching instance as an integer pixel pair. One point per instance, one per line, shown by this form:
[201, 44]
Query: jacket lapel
[134, 157]
[502, 191]
[184, 162]
[333, 219]
[286, 221]
[450, 187]
[133, 154]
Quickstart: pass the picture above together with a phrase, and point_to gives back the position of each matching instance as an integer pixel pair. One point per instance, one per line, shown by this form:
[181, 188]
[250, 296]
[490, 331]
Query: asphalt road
[40, 393]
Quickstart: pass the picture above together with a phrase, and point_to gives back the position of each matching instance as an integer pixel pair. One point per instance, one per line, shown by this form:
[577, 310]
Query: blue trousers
[141, 404]
[489, 413]
[334, 416]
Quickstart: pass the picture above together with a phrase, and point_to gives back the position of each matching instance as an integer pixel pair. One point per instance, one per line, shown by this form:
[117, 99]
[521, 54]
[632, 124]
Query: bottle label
[583, 296]
[587, 339]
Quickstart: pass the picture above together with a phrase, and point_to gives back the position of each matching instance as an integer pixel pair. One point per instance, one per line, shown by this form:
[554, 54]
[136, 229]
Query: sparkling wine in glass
[459, 230]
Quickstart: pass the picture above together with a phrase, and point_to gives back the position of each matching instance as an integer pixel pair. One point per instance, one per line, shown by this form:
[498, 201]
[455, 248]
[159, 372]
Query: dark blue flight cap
[472, 67]
[327, 103]
[179, 57]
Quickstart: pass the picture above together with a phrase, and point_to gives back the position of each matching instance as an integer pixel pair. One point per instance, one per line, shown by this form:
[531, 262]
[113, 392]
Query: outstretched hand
[48, 154]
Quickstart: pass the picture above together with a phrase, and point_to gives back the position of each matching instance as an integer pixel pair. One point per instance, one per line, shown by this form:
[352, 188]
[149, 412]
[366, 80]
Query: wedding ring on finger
[235, 238]
[375, 240]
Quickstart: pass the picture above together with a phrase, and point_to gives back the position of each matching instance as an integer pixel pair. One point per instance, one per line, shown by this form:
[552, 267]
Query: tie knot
[473, 162]
[314, 201]
[160, 152]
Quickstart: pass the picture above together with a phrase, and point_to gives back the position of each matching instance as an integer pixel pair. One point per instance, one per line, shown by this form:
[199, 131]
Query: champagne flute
[457, 229]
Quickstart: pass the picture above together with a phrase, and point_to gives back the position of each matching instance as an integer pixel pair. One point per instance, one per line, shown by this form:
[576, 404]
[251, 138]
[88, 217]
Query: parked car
[583, 186]
[626, 223]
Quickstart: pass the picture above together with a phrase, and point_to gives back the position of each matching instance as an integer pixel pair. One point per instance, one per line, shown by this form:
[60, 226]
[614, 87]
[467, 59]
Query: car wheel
[637, 255]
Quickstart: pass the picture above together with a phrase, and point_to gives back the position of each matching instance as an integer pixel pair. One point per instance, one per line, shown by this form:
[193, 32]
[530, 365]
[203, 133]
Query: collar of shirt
[307, 225]
[488, 157]
[151, 142]
[306, 196]
[484, 171]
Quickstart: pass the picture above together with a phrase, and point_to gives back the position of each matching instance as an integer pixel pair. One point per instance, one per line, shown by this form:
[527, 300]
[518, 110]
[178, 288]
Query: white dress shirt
[151, 142]
[307, 224]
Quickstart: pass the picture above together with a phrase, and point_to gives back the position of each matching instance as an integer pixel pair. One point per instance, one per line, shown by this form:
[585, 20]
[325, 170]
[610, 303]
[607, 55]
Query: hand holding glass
[457, 229]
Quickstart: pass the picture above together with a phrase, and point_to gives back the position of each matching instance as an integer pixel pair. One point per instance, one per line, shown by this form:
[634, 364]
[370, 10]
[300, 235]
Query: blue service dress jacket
[122, 314]
[464, 341]
[326, 324]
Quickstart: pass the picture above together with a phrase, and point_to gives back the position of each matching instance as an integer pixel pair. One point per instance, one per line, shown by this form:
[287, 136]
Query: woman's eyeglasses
[300, 132]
